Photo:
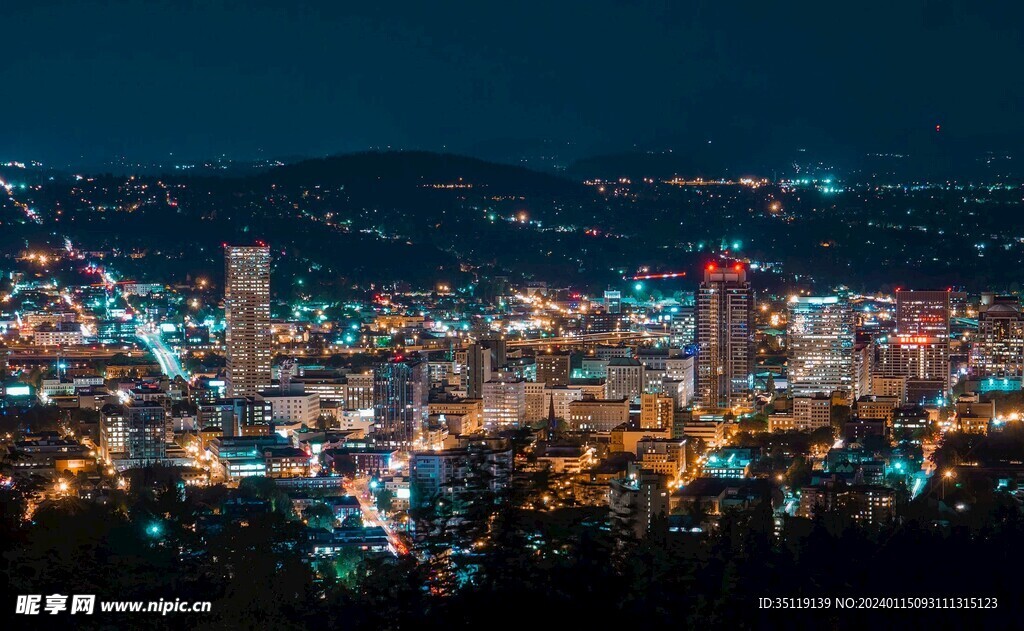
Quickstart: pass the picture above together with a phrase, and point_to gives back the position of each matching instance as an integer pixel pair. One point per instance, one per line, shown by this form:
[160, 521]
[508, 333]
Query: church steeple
[552, 422]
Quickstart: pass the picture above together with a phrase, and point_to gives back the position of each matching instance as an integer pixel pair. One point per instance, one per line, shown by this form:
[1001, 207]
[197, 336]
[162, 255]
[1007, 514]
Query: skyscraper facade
[146, 425]
[613, 301]
[922, 313]
[683, 328]
[247, 312]
[625, 379]
[920, 349]
[725, 358]
[483, 359]
[998, 349]
[504, 402]
[819, 339]
[554, 369]
[400, 395]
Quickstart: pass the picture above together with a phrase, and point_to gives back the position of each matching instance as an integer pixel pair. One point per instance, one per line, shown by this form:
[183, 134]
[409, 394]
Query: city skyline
[460, 315]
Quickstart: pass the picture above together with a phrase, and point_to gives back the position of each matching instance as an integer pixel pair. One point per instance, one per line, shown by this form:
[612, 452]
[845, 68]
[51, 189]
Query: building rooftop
[623, 361]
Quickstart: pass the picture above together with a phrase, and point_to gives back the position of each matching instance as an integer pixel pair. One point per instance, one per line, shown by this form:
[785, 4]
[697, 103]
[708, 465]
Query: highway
[168, 361]
[589, 338]
[65, 352]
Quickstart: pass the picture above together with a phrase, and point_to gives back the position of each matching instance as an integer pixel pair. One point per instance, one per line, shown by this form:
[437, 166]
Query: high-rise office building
[923, 361]
[504, 402]
[725, 358]
[146, 425]
[819, 341]
[247, 312]
[922, 313]
[656, 411]
[683, 328]
[554, 369]
[998, 349]
[113, 431]
[613, 301]
[483, 359]
[863, 363]
[625, 379]
[400, 402]
[920, 349]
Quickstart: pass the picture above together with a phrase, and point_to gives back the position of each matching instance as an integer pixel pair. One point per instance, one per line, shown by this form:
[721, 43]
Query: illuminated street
[169, 363]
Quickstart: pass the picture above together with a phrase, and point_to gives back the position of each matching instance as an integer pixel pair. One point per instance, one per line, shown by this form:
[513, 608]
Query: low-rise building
[865, 504]
[292, 404]
[285, 462]
[729, 462]
[812, 412]
[58, 334]
[666, 456]
[636, 501]
[443, 473]
[711, 432]
[571, 459]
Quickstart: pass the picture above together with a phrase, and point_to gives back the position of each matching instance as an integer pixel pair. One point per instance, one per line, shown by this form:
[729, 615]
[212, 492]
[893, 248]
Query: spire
[552, 423]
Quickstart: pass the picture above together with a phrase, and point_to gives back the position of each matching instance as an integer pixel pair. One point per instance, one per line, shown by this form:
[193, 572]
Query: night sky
[86, 80]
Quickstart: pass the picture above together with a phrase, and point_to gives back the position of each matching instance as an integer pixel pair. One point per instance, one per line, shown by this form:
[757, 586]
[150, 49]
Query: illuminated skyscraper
[625, 379]
[998, 349]
[483, 359]
[923, 361]
[504, 402]
[247, 312]
[920, 349]
[400, 394]
[725, 358]
[613, 301]
[819, 340]
[146, 435]
[683, 327]
[922, 313]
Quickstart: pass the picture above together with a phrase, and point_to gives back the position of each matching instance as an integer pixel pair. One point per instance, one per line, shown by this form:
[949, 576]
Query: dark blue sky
[86, 80]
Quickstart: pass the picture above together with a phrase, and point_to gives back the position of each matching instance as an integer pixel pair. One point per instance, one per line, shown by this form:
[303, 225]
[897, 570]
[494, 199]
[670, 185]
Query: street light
[945, 476]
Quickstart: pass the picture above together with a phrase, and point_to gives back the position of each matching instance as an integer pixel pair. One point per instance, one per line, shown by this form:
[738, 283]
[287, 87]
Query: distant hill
[693, 163]
[381, 172]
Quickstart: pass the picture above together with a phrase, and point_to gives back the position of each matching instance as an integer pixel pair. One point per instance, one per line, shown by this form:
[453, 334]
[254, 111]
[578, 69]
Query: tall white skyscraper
[247, 311]
[725, 356]
[819, 340]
